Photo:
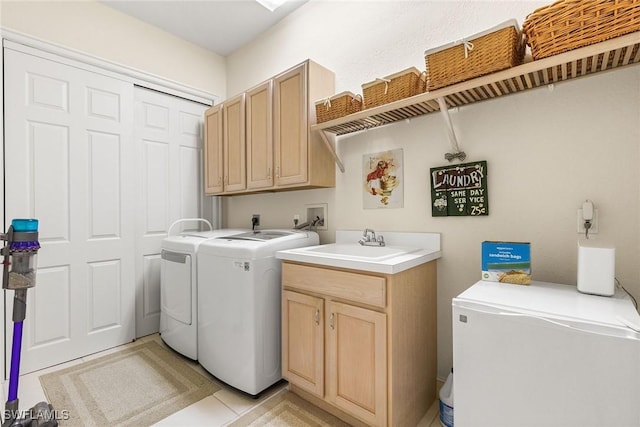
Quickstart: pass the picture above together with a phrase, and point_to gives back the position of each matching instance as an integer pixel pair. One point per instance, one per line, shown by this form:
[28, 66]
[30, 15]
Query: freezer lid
[551, 299]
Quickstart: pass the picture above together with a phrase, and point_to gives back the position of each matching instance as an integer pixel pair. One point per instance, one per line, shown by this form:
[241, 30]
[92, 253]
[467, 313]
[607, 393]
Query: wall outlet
[594, 222]
[255, 219]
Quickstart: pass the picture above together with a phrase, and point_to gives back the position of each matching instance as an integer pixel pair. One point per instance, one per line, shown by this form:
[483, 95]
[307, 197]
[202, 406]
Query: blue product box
[506, 262]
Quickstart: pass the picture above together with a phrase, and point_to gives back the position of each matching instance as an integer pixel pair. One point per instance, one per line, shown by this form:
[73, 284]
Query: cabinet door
[357, 352]
[303, 341]
[213, 150]
[235, 177]
[260, 136]
[291, 126]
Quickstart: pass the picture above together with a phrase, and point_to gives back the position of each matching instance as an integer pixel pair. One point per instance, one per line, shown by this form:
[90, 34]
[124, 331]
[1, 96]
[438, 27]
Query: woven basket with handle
[570, 24]
[493, 50]
[397, 86]
[337, 106]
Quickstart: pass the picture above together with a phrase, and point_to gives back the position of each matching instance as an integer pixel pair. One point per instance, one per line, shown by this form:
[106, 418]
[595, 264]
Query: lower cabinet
[303, 341]
[364, 344]
[357, 353]
[355, 349]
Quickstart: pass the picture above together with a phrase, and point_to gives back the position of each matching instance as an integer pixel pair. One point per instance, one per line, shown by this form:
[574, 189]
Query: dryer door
[175, 285]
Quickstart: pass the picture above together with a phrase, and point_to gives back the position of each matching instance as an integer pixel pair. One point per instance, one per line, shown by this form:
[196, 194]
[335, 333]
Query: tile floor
[219, 409]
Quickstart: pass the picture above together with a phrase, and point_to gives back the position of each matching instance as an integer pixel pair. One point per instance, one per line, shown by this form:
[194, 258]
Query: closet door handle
[317, 317]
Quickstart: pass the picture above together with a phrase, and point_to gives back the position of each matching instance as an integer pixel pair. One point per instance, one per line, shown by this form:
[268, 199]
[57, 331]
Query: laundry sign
[460, 190]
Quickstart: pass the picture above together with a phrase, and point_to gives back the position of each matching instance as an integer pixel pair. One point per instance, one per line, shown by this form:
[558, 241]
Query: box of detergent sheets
[506, 262]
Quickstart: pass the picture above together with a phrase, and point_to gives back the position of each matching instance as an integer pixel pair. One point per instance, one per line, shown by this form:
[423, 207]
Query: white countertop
[420, 248]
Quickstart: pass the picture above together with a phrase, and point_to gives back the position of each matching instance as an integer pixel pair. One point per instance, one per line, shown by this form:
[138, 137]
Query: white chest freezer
[544, 355]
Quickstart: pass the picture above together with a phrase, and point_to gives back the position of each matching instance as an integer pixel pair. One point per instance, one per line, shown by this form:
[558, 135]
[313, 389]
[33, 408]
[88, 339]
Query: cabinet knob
[331, 321]
[317, 317]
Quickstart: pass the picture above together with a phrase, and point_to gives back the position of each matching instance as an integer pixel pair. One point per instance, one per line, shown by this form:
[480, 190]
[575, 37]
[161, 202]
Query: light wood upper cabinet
[225, 147]
[213, 164]
[260, 136]
[235, 175]
[267, 144]
[291, 123]
[370, 357]
[301, 159]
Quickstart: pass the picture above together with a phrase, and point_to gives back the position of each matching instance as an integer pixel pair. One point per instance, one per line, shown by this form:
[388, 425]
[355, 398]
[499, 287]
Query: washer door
[175, 285]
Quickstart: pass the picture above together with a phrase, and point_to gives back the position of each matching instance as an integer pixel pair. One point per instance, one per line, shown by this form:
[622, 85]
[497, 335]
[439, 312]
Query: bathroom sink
[358, 252]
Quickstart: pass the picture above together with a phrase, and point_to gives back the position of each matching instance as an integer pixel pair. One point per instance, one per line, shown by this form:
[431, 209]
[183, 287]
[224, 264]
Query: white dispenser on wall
[596, 268]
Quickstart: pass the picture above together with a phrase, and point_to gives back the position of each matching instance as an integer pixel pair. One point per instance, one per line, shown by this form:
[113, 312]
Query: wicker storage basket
[339, 105]
[397, 86]
[492, 50]
[570, 24]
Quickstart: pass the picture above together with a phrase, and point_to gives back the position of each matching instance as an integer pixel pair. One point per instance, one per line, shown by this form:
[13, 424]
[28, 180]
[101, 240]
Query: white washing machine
[178, 287]
[239, 306]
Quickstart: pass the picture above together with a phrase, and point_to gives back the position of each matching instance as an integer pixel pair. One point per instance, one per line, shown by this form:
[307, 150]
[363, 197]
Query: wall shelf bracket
[444, 110]
[332, 149]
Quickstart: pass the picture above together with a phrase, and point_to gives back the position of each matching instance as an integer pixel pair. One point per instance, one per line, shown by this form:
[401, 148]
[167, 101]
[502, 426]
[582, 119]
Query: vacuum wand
[19, 274]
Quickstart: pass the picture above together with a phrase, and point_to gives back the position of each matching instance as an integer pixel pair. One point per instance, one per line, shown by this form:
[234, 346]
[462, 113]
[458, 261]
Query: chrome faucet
[369, 238]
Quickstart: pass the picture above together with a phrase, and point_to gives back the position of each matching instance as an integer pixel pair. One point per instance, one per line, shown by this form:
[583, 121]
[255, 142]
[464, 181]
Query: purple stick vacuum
[19, 274]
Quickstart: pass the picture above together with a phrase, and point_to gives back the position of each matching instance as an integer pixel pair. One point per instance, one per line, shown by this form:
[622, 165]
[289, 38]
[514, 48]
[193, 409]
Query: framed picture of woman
[382, 176]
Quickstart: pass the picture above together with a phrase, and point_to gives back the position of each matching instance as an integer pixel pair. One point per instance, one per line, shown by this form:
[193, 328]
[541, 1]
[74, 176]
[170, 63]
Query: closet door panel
[68, 162]
[168, 136]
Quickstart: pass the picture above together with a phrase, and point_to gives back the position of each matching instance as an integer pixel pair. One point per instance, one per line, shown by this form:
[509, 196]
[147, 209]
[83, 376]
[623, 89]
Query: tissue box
[506, 262]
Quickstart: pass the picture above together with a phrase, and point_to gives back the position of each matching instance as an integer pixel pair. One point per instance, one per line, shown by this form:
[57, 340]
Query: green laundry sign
[460, 190]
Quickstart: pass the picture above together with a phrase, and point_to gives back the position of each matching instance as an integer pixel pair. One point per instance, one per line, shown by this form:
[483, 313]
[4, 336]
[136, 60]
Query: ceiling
[221, 26]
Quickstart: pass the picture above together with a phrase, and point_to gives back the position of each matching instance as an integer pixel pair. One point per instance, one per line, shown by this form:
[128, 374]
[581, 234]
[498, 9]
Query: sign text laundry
[460, 190]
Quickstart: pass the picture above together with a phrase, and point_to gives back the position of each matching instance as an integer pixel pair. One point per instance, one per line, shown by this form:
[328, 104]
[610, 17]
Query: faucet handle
[367, 237]
[380, 240]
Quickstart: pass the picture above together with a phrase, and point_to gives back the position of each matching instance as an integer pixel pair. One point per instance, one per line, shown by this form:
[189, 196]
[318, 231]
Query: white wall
[547, 150]
[95, 29]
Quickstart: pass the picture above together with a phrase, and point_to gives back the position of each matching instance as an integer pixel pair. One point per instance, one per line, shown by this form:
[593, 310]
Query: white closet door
[168, 133]
[69, 163]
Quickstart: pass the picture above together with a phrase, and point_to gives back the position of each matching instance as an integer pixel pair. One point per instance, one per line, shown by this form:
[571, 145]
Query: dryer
[178, 287]
[239, 298]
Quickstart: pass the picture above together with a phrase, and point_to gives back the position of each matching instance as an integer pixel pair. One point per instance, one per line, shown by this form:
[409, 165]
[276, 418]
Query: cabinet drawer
[355, 287]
